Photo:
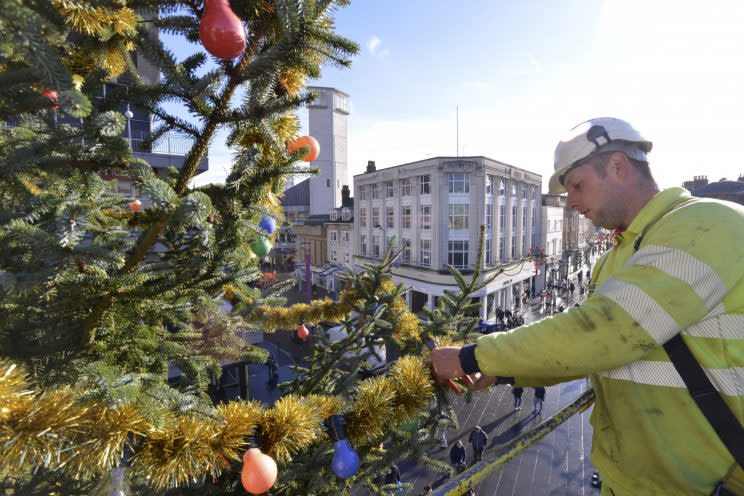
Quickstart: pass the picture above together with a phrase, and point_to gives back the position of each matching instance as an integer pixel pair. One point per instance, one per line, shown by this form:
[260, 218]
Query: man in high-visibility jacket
[678, 266]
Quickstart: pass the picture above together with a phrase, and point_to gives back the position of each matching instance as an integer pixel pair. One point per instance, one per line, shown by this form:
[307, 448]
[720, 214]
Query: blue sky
[524, 72]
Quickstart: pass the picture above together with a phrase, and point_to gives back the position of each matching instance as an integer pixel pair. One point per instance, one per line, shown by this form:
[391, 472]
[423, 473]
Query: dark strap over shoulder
[707, 398]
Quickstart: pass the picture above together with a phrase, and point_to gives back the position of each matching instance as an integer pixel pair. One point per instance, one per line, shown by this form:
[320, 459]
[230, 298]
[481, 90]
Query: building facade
[328, 124]
[433, 209]
[552, 227]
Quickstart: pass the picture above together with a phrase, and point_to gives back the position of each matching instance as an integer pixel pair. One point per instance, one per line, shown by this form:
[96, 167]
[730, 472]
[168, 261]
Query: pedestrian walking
[427, 490]
[672, 283]
[457, 454]
[443, 437]
[517, 392]
[272, 366]
[539, 398]
[478, 439]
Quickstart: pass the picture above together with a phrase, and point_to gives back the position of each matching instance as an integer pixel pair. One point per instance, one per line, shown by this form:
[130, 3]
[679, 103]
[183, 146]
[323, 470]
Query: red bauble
[259, 471]
[302, 332]
[305, 141]
[53, 98]
[136, 206]
[221, 31]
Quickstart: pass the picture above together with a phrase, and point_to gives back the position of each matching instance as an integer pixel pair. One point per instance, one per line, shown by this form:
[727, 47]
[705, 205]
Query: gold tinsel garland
[405, 324]
[56, 429]
[114, 28]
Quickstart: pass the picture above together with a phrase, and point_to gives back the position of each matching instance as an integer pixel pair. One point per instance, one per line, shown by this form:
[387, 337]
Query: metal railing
[168, 144]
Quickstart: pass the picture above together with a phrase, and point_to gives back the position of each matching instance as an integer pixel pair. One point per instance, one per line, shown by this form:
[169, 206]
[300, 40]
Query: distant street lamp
[129, 114]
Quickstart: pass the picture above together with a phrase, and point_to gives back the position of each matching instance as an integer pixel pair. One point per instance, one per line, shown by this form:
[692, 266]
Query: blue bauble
[345, 461]
[268, 224]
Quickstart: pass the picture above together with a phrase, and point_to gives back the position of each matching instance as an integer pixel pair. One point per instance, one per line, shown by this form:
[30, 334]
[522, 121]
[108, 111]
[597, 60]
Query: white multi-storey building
[434, 209]
[552, 221]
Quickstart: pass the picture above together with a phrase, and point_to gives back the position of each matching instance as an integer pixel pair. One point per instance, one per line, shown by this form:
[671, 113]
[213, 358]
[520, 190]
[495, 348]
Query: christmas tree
[100, 293]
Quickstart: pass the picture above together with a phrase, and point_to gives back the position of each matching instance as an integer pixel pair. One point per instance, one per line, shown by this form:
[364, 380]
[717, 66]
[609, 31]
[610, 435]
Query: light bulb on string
[259, 470]
[303, 332]
[268, 224]
[345, 461]
[221, 31]
[305, 141]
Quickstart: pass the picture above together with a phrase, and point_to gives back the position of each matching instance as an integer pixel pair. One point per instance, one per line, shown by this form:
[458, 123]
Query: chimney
[345, 195]
[371, 166]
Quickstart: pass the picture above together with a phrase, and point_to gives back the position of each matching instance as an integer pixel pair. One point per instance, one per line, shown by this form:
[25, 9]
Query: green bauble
[261, 247]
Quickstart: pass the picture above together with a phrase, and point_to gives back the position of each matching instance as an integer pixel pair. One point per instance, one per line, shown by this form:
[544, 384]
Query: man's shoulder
[707, 212]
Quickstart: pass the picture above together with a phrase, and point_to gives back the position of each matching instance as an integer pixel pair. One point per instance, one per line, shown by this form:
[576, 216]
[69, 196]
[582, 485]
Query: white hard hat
[605, 134]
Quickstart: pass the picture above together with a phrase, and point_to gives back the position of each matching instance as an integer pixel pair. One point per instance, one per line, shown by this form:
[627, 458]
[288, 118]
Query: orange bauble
[53, 98]
[259, 471]
[308, 141]
[302, 332]
[136, 206]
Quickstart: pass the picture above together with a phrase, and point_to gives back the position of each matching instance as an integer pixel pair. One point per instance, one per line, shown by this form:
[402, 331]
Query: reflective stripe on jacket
[687, 276]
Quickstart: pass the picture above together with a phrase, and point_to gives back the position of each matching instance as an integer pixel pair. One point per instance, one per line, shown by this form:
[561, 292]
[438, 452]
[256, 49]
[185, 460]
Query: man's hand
[481, 381]
[446, 363]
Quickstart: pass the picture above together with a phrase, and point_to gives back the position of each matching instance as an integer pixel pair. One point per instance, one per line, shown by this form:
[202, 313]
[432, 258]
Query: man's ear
[618, 166]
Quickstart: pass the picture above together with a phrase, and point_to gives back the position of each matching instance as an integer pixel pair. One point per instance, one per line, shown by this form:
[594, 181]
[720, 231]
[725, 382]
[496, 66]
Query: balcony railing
[167, 144]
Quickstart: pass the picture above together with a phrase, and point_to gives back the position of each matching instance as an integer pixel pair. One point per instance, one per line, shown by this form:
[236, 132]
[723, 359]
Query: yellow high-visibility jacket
[687, 276]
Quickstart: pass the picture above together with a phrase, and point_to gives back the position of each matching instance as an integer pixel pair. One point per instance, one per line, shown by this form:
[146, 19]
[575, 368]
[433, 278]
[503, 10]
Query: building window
[425, 253]
[405, 255]
[363, 244]
[406, 217]
[514, 191]
[502, 218]
[363, 217]
[363, 193]
[376, 246]
[334, 215]
[389, 189]
[458, 215]
[375, 192]
[328, 183]
[489, 216]
[347, 257]
[458, 182]
[489, 252]
[425, 216]
[375, 217]
[525, 212]
[390, 217]
[502, 248]
[514, 232]
[345, 236]
[502, 188]
[457, 255]
[333, 255]
[406, 187]
[489, 184]
[424, 185]
[334, 235]
[345, 214]
[524, 193]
